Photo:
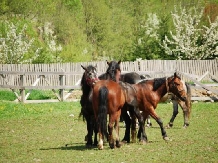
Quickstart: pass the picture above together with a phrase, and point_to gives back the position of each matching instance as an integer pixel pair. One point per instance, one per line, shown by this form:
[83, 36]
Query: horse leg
[186, 113]
[175, 112]
[142, 137]
[127, 121]
[133, 128]
[110, 130]
[159, 121]
[95, 133]
[149, 124]
[116, 127]
[90, 131]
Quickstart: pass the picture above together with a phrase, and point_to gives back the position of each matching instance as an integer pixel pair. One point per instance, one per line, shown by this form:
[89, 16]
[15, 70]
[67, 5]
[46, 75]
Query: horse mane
[103, 76]
[158, 82]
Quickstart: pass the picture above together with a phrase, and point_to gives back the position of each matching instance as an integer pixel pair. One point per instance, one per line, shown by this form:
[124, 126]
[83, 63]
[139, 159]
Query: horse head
[90, 74]
[177, 86]
[113, 71]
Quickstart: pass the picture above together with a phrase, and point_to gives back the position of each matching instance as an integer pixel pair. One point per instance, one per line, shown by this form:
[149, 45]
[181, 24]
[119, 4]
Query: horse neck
[85, 87]
[162, 90]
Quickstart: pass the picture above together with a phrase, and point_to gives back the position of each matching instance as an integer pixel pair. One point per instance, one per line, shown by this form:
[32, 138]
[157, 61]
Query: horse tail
[102, 112]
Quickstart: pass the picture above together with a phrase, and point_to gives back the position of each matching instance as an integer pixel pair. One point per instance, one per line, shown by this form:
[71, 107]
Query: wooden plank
[41, 101]
[202, 85]
[40, 87]
[39, 73]
[204, 98]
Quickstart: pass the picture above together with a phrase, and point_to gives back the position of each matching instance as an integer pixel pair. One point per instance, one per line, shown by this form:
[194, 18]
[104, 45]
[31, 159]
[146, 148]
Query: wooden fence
[62, 76]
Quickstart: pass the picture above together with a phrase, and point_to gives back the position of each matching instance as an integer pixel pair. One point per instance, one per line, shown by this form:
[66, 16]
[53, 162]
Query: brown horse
[89, 79]
[130, 119]
[108, 98]
[147, 95]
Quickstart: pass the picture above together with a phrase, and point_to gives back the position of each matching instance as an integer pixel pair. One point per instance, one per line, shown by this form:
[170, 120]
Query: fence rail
[73, 71]
[64, 76]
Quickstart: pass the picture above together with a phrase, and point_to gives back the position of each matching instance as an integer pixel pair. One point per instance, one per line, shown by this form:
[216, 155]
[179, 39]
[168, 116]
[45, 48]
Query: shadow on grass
[73, 146]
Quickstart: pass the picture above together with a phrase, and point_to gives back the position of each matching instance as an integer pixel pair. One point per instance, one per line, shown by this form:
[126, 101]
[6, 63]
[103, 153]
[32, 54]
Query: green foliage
[94, 29]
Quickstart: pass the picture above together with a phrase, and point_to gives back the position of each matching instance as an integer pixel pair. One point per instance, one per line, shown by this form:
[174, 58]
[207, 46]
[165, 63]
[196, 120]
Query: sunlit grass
[39, 133]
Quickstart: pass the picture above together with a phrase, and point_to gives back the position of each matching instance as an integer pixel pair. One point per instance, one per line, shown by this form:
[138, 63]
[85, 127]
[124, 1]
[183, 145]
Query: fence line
[62, 76]
[195, 67]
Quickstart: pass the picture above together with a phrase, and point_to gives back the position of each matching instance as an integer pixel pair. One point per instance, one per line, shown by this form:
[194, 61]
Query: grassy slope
[39, 132]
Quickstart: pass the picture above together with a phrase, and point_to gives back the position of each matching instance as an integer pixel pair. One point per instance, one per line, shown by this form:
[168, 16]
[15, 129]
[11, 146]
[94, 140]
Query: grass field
[39, 133]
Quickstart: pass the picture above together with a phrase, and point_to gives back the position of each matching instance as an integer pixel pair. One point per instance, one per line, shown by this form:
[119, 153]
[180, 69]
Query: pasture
[40, 132]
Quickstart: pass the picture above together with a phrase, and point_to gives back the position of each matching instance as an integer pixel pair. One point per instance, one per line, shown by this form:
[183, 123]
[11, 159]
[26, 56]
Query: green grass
[39, 133]
[34, 95]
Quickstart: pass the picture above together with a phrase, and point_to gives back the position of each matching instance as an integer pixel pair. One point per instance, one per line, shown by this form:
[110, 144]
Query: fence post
[61, 91]
[22, 90]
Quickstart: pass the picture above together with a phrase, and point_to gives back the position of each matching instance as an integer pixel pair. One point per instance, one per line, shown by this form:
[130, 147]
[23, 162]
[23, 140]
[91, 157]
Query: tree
[14, 43]
[190, 40]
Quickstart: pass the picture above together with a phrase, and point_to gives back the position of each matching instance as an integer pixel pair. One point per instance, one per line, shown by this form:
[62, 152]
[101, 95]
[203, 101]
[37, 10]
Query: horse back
[115, 97]
[146, 95]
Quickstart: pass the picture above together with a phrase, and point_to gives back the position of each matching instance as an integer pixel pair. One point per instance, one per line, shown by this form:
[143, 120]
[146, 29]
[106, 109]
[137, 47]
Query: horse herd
[130, 96]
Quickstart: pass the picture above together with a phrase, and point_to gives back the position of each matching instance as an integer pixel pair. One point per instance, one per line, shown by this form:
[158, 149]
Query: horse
[108, 98]
[148, 94]
[89, 79]
[130, 120]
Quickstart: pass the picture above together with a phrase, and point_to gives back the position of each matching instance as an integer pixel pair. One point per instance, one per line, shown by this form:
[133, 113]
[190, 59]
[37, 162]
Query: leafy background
[87, 30]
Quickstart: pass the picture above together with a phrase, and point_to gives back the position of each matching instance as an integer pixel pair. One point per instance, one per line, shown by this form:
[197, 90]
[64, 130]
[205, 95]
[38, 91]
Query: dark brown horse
[130, 120]
[148, 93]
[89, 78]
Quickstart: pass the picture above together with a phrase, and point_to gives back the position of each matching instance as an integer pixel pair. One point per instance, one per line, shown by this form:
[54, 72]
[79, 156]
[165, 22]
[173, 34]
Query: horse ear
[96, 66]
[83, 67]
[175, 75]
[119, 61]
[107, 62]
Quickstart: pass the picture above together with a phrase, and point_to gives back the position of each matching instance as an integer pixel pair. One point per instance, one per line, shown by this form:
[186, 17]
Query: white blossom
[15, 44]
[184, 42]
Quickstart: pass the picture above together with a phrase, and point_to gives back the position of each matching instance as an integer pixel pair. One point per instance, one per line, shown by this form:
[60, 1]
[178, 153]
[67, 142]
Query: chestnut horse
[130, 120]
[148, 94]
[89, 78]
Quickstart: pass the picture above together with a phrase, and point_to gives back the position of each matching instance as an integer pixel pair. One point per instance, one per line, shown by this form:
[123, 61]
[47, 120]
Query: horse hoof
[134, 141]
[112, 145]
[118, 144]
[143, 142]
[168, 126]
[166, 138]
[88, 145]
[100, 147]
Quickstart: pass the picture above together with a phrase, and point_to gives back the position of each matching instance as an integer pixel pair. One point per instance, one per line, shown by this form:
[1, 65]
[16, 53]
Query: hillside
[86, 30]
